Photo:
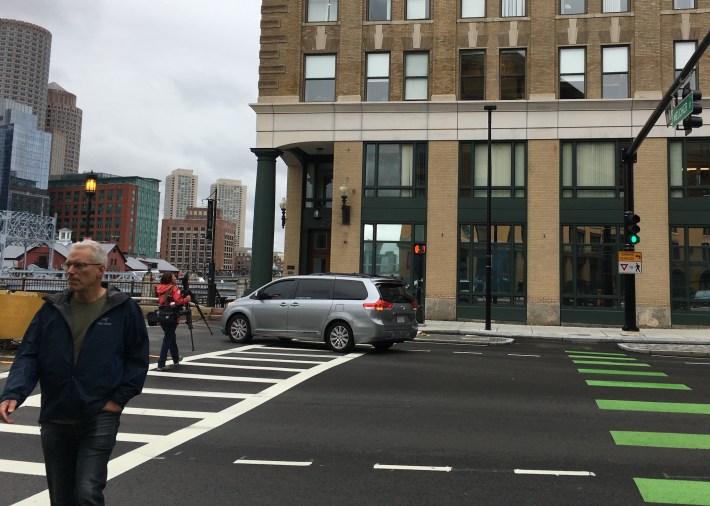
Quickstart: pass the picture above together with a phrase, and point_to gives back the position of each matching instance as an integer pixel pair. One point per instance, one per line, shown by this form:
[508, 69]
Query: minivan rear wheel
[340, 337]
[239, 329]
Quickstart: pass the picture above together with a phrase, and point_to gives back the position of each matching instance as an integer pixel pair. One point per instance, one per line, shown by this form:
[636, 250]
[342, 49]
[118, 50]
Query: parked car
[341, 309]
[701, 299]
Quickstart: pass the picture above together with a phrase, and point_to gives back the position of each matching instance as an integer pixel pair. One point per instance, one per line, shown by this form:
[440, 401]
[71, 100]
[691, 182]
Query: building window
[512, 8]
[572, 73]
[320, 78]
[507, 168]
[512, 74]
[682, 53]
[416, 76]
[690, 270]
[379, 10]
[473, 8]
[322, 10]
[395, 170]
[387, 249]
[508, 267]
[615, 72]
[615, 5]
[377, 88]
[572, 6]
[592, 169]
[684, 4]
[689, 166]
[589, 265]
[417, 9]
[473, 82]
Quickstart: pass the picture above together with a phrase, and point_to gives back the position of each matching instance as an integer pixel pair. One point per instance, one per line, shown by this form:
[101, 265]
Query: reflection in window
[572, 6]
[387, 249]
[690, 270]
[689, 167]
[319, 78]
[395, 170]
[590, 275]
[508, 169]
[417, 9]
[508, 268]
[512, 74]
[682, 51]
[592, 169]
[379, 10]
[684, 4]
[322, 10]
[473, 8]
[572, 73]
[473, 82]
[615, 72]
[378, 77]
[416, 76]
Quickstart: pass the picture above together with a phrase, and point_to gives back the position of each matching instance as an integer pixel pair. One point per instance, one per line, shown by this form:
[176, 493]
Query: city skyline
[159, 99]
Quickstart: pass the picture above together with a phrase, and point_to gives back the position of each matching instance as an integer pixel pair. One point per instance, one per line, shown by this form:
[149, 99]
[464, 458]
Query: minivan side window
[279, 290]
[314, 289]
[348, 289]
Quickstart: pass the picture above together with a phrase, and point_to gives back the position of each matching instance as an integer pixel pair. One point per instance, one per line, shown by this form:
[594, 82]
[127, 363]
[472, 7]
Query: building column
[262, 243]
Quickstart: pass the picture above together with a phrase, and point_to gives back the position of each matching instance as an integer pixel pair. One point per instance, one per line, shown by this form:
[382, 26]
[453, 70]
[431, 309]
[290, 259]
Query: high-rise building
[377, 109]
[125, 210]
[24, 65]
[64, 121]
[180, 193]
[24, 160]
[231, 197]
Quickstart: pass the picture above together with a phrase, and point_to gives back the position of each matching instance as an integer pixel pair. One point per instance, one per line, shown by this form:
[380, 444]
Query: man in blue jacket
[88, 348]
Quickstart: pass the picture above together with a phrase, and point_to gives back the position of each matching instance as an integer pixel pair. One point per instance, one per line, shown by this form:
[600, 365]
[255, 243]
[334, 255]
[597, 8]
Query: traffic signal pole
[628, 157]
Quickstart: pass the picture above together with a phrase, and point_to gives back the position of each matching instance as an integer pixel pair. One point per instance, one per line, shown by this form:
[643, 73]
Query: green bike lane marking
[661, 439]
[674, 491]
[637, 384]
[604, 362]
[622, 373]
[654, 406]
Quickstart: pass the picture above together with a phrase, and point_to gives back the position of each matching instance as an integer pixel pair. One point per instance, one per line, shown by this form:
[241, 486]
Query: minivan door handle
[283, 304]
[294, 304]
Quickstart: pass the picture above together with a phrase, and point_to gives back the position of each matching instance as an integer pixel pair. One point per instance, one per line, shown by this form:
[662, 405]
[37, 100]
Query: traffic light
[693, 121]
[631, 228]
[420, 248]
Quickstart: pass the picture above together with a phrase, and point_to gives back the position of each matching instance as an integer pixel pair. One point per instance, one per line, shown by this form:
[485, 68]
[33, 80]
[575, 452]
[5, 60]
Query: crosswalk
[250, 365]
[653, 490]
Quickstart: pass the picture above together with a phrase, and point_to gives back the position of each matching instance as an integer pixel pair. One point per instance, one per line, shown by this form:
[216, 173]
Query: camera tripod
[188, 320]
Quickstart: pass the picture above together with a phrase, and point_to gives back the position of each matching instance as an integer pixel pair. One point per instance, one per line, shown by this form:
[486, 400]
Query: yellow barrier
[16, 312]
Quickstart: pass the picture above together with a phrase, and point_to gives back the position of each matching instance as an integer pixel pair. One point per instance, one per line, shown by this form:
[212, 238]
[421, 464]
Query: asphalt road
[422, 423]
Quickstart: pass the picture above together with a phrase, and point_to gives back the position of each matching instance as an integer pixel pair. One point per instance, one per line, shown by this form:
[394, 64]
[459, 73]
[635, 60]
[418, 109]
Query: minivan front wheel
[239, 330]
[340, 337]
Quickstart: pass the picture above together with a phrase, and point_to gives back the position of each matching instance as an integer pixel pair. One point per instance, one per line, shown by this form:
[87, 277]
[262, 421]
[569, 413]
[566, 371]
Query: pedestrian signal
[420, 248]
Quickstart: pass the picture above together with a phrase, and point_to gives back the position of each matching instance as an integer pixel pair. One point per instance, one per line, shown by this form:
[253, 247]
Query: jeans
[169, 344]
[76, 458]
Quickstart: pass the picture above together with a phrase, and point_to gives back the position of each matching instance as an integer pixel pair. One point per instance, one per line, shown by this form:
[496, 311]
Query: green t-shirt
[84, 314]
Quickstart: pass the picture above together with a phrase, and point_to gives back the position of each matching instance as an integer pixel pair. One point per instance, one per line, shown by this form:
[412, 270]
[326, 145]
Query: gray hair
[98, 254]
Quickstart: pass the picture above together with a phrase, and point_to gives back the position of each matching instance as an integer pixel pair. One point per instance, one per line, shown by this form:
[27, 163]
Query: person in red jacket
[169, 295]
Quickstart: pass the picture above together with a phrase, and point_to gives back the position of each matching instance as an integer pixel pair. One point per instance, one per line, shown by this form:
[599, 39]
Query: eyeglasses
[77, 265]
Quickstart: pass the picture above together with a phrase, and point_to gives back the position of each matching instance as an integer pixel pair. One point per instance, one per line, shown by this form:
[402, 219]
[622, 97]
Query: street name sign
[630, 262]
[682, 110]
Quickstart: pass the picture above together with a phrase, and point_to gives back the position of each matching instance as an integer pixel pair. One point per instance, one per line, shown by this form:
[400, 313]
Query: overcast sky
[163, 84]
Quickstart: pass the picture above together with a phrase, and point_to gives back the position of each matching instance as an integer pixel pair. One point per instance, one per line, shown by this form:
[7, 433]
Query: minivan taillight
[413, 304]
[380, 305]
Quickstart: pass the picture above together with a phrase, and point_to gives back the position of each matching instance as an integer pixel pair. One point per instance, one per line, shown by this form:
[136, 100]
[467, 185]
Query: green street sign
[682, 110]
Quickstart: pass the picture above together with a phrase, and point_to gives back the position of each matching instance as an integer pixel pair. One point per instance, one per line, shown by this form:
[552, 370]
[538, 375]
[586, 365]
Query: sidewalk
[692, 342]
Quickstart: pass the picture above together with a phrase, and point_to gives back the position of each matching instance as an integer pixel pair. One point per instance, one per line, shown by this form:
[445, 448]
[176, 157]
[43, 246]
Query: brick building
[382, 102]
[184, 244]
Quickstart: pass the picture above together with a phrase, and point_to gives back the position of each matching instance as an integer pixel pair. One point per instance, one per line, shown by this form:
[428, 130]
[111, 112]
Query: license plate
[400, 319]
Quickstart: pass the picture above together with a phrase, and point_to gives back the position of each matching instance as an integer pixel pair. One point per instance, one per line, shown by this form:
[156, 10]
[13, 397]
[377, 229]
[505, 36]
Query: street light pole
[211, 233]
[489, 235]
[89, 191]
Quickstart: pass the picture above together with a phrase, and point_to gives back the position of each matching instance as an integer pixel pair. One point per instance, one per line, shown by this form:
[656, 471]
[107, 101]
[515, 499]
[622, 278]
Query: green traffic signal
[631, 228]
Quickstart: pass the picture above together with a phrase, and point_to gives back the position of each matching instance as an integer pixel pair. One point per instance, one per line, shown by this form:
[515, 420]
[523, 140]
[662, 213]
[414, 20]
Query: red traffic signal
[420, 248]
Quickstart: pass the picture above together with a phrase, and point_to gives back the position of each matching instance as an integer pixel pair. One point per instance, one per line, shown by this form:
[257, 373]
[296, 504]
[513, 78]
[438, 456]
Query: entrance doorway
[318, 251]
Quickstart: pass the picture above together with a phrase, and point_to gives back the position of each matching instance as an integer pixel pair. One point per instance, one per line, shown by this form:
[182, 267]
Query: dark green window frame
[509, 169]
[576, 184]
[690, 270]
[395, 169]
[689, 168]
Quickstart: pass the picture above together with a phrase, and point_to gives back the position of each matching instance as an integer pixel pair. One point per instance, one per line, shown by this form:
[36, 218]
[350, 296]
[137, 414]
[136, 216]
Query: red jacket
[170, 290]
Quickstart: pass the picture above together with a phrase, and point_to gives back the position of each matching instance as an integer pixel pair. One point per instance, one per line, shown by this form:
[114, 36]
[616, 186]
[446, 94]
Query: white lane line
[252, 367]
[411, 468]
[554, 473]
[33, 430]
[274, 462]
[213, 377]
[280, 360]
[521, 355]
[22, 467]
[416, 351]
[285, 355]
[170, 413]
[196, 393]
[697, 363]
[468, 353]
[328, 352]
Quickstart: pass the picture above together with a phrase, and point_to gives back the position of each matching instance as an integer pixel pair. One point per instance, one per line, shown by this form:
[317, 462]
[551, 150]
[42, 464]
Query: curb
[666, 350]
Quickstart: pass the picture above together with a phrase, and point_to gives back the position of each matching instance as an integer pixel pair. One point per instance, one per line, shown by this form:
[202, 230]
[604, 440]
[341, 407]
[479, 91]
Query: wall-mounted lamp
[282, 205]
[345, 208]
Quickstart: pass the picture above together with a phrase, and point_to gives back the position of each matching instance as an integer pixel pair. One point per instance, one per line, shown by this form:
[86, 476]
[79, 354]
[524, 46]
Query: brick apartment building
[382, 102]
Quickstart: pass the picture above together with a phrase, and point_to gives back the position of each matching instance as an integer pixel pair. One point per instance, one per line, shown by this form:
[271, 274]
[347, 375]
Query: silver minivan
[341, 309]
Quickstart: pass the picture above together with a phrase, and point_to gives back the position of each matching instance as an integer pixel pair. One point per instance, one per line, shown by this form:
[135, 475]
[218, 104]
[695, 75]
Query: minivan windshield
[394, 293]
